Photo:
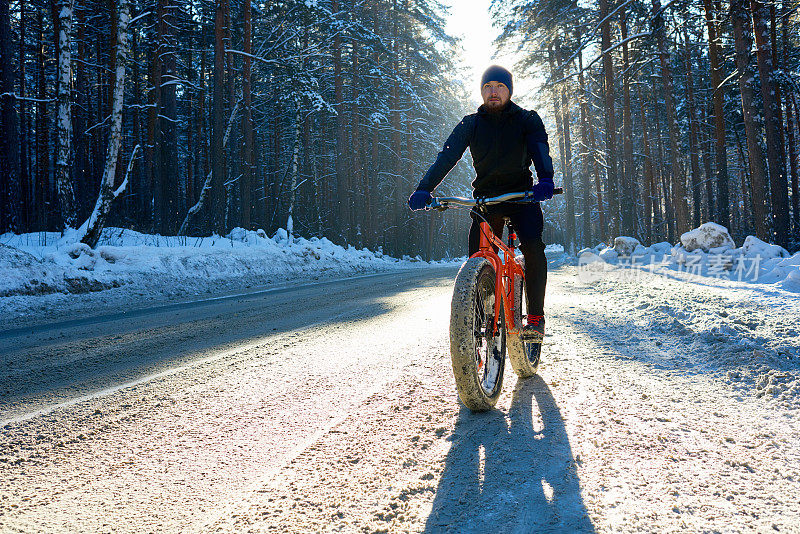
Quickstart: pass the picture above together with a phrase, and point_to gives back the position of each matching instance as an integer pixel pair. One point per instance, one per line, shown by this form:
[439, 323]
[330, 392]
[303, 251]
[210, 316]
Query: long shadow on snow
[527, 482]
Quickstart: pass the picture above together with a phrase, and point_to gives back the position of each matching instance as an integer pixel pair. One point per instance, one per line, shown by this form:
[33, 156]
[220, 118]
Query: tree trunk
[399, 232]
[742, 189]
[557, 110]
[355, 135]
[650, 195]
[152, 155]
[777, 173]
[168, 210]
[42, 130]
[218, 126]
[342, 189]
[82, 118]
[758, 175]
[9, 147]
[203, 153]
[665, 216]
[138, 202]
[26, 204]
[295, 169]
[627, 183]
[66, 194]
[722, 203]
[611, 122]
[678, 177]
[230, 162]
[568, 175]
[779, 110]
[93, 227]
[191, 143]
[587, 153]
[374, 185]
[601, 219]
[791, 125]
[693, 147]
[246, 181]
[791, 107]
[707, 155]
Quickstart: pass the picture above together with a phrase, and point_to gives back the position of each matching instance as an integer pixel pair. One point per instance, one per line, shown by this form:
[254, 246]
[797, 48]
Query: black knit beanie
[496, 73]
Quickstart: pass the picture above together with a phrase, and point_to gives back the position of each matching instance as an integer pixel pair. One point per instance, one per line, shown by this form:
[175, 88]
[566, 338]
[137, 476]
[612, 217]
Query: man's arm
[539, 150]
[452, 151]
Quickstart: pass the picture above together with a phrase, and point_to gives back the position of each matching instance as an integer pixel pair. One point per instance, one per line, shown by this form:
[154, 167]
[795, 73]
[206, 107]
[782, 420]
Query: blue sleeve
[538, 149]
[452, 151]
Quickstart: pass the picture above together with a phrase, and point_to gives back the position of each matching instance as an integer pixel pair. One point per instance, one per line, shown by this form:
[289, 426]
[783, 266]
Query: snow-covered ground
[43, 271]
[667, 400]
[340, 415]
[736, 308]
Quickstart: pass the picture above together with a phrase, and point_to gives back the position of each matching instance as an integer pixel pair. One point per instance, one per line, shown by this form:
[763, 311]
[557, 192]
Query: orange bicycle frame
[504, 285]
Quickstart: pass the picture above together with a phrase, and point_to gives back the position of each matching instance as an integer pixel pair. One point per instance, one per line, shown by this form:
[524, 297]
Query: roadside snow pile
[625, 246]
[707, 237]
[556, 255]
[554, 251]
[21, 273]
[36, 264]
[706, 251]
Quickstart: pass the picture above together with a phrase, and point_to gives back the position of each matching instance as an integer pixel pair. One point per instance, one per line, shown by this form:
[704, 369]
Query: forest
[193, 117]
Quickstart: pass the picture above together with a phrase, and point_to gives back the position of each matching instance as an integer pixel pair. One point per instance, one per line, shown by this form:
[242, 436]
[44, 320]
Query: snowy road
[332, 408]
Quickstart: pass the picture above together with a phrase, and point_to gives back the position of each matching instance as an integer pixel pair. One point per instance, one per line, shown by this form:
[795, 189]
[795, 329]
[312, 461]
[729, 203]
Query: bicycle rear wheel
[478, 355]
[523, 355]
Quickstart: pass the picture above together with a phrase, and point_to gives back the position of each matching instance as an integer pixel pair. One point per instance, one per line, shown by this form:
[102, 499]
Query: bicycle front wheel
[476, 350]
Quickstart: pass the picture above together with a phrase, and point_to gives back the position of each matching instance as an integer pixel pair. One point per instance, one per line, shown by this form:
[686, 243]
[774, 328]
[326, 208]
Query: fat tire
[524, 356]
[475, 275]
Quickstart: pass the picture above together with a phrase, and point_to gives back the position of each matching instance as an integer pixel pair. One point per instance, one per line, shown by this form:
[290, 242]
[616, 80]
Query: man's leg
[528, 222]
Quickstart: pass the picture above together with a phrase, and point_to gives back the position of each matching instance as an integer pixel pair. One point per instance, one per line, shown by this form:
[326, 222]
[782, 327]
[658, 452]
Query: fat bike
[487, 310]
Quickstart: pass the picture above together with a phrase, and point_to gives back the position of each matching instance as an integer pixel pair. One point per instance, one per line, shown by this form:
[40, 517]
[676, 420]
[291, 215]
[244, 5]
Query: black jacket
[503, 145]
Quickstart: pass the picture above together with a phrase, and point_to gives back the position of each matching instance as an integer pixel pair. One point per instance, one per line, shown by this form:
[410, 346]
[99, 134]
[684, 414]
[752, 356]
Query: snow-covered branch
[15, 96]
[207, 184]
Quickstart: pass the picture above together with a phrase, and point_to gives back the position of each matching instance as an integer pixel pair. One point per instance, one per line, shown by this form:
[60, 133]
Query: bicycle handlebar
[441, 203]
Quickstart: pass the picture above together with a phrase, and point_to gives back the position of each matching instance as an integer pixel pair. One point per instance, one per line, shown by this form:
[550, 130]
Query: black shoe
[533, 332]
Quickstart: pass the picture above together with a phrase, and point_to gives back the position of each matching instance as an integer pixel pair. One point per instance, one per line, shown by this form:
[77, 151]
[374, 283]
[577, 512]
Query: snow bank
[36, 264]
[754, 246]
[22, 273]
[706, 251]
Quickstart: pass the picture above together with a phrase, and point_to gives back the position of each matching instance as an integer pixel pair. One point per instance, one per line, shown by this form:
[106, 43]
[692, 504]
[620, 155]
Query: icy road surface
[661, 406]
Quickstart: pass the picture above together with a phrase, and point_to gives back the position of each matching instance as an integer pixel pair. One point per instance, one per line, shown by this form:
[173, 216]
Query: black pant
[528, 222]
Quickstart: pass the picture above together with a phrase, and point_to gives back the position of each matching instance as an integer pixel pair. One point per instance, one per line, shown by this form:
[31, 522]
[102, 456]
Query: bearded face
[495, 95]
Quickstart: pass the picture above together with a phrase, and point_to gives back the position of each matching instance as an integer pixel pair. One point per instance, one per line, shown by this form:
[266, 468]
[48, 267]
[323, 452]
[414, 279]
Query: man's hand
[419, 199]
[542, 191]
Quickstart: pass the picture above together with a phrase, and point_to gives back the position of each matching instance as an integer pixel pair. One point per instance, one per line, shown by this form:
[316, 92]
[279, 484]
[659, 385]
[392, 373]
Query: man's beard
[495, 106]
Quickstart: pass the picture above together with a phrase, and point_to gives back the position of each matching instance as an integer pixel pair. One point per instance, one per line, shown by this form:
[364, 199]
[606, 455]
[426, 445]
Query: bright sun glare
[470, 19]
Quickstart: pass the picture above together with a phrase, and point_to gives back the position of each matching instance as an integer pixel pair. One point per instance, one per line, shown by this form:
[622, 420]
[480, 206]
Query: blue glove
[419, 199]
[543, 191]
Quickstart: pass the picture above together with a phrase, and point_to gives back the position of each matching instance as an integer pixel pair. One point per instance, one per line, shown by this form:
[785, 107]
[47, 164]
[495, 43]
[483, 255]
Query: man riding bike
[503, 139]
